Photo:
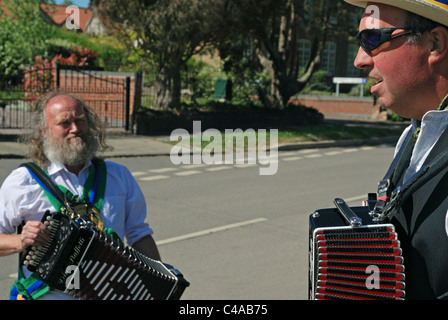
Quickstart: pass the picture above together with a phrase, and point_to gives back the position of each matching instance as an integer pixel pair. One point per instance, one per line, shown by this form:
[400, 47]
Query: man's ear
[44, 132]
[439, 43]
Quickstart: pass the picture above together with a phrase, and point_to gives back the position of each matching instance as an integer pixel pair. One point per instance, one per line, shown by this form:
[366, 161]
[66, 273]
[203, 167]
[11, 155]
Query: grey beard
[76, 154]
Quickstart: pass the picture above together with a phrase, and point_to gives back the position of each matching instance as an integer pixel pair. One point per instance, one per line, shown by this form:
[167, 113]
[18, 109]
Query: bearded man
[66, 138]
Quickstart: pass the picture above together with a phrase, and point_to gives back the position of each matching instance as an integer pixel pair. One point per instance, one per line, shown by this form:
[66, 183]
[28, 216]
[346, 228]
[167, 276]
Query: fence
[113, 95]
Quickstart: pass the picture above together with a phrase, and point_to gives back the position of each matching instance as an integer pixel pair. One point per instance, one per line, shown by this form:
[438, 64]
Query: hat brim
[436, 10]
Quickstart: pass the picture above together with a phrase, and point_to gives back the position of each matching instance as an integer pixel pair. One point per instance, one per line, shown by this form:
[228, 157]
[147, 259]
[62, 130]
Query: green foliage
[112, 56]
[317, 83]
[23, 32]
[200, 78]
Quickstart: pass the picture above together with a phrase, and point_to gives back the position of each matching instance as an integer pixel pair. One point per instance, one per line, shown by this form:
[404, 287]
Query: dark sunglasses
[370, 39]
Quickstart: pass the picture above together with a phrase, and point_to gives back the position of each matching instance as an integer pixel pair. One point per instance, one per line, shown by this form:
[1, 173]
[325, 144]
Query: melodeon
[353, 257]
[85, 263]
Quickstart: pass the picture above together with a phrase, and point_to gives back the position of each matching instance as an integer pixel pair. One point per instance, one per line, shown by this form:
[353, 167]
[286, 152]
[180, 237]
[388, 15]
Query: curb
[22, 154]
[339, 143]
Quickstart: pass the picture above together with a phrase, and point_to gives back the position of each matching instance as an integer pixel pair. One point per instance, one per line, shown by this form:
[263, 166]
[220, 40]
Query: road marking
[162, 170]
[219, 168]
[191, 166]
[244, 165]
[292, 158]
[210, 231]
[138, 173]
[332, 153]
[187, 173]
[311, 156]
[152, 178]
[287, 156]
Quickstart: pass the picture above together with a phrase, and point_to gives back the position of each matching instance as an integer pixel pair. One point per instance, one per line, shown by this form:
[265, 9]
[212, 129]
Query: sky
[79, 3]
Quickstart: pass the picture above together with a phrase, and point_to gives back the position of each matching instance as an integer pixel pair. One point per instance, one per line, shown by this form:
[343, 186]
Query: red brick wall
[361, 107]
[106, 95]
[105, 92]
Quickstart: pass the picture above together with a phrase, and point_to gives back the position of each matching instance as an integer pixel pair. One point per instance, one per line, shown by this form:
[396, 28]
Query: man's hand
[34, 233]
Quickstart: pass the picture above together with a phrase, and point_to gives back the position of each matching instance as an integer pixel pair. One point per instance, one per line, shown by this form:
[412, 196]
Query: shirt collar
[55, 167]
[444, 104]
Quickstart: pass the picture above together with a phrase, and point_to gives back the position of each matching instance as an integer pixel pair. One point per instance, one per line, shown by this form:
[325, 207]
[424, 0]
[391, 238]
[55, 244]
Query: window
[328, 58]
[351, 55]
[304, 52]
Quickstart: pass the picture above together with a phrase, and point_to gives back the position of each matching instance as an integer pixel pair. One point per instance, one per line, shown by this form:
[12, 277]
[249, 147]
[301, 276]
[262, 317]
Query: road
[236, 234]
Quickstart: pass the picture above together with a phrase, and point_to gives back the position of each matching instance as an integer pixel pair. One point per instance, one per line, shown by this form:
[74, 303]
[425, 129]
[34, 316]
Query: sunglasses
[371, 39]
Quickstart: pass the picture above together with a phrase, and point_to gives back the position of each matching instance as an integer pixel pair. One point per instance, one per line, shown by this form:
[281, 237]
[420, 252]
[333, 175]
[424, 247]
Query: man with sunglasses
[404, 48]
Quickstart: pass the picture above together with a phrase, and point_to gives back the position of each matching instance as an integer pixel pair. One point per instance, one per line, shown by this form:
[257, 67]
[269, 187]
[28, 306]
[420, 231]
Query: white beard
[71, 150]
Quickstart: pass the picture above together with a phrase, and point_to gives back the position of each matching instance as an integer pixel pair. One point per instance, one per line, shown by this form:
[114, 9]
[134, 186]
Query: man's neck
[74, 169]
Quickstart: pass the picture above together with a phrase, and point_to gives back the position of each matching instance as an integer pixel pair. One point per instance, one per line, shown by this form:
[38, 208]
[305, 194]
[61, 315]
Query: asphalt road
[236, 234]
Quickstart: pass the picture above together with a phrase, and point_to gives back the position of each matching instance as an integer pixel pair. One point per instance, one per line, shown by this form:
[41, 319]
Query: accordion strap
[59, 196]
[390, 199]
[45, 182]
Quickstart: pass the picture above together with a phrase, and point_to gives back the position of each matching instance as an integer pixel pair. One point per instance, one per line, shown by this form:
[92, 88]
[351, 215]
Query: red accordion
[352, 256]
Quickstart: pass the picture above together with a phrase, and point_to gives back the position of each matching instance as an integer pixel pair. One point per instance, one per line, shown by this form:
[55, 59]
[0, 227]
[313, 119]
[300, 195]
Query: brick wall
[354, 107]
[103, 91]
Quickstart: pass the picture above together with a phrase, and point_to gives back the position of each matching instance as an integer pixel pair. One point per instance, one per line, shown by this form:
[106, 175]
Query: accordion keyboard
[354, 262]
[85, 263]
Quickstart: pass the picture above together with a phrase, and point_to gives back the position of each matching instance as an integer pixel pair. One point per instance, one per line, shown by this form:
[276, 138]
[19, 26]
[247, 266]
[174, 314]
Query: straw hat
[436, 10]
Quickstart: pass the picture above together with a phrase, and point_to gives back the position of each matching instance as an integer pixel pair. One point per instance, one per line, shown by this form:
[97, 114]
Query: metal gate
[110, 94]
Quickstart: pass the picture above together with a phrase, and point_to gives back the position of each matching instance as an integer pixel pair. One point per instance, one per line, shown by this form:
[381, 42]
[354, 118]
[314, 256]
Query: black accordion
[353, 257]
[87, 264]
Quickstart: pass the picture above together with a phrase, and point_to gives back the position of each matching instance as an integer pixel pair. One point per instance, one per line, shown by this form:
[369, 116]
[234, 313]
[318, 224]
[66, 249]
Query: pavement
[127, 145]
[124, 145]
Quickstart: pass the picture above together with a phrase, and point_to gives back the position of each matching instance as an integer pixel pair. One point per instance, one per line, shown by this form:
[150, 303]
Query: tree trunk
[163, 90]
[176, 89]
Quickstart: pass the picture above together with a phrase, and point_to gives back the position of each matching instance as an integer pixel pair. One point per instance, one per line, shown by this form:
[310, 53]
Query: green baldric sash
[89, 207]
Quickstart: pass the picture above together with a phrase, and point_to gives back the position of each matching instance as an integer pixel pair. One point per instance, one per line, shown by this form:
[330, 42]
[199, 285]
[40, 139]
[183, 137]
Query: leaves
[23, 32]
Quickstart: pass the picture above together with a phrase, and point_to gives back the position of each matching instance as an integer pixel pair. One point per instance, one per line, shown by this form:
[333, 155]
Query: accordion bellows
[354, 262]
[87, 264]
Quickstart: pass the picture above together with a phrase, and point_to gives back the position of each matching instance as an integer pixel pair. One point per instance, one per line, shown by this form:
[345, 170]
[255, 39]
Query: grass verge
[298, 134]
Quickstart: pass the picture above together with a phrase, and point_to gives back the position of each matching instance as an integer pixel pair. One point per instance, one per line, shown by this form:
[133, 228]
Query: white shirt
[433, 125]
[124, 206]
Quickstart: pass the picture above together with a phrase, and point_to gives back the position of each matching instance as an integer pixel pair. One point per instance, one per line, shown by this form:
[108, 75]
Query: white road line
[310, 156]
[292, 158]
[163, 170]
[152, 178]
[209, 231]
[219, 168]
[332, 153]
[138, 173]
[309, 151]
[187, 173]
[191, 166]
[245, 165]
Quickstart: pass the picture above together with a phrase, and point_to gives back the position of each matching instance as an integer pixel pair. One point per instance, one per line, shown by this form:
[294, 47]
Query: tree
[166, 34]
[266, 33]
[23, 32]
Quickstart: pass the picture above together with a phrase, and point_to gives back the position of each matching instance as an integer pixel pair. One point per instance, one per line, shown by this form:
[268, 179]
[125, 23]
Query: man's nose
[363, 60]
[74, 128]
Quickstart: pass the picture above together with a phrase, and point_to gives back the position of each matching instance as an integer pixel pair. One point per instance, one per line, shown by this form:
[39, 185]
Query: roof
[60, 13]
